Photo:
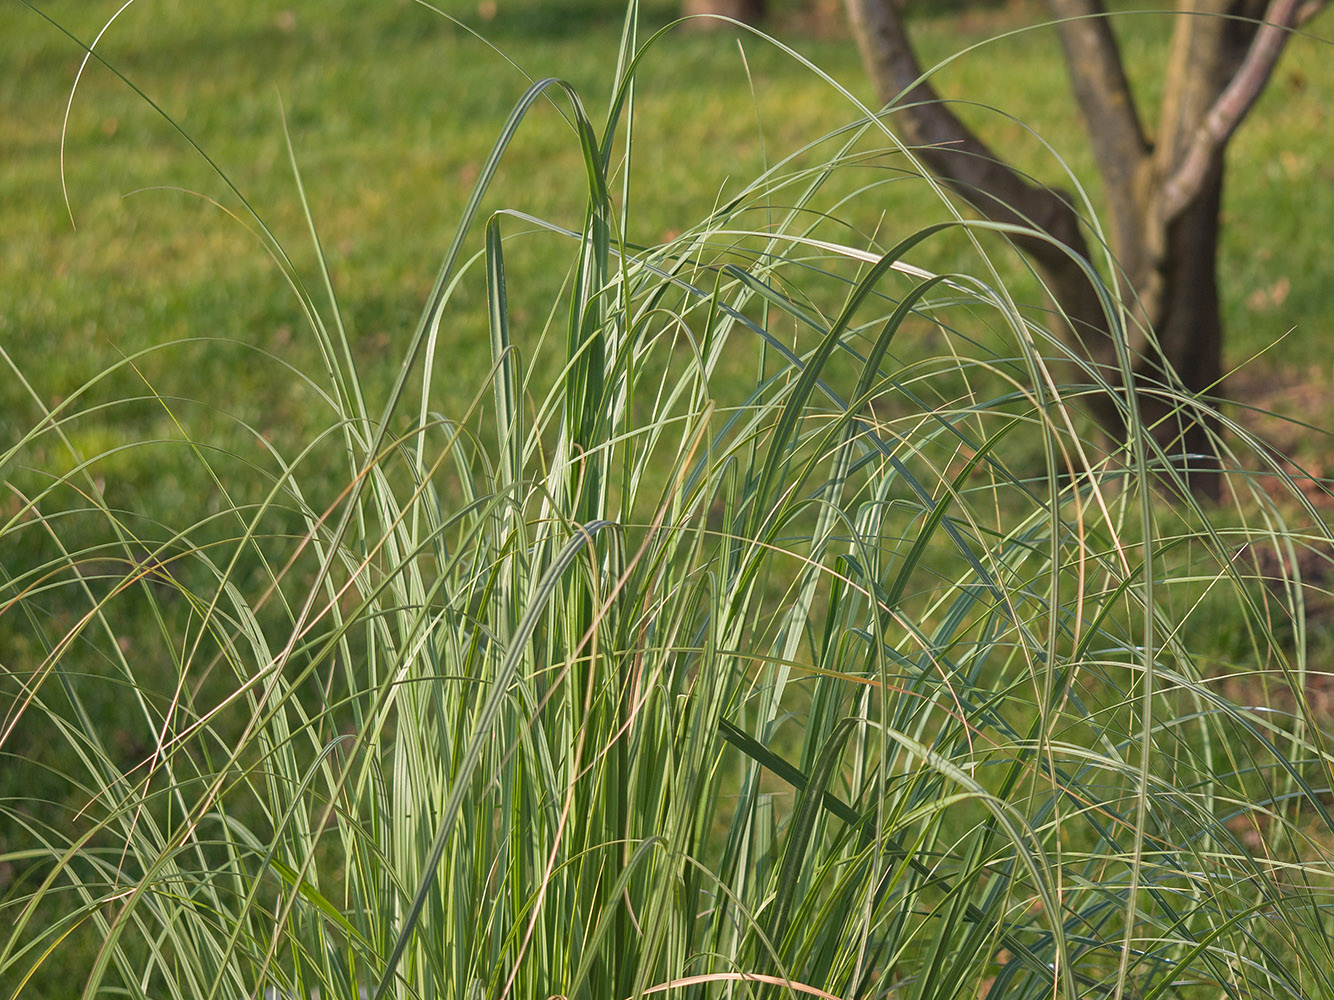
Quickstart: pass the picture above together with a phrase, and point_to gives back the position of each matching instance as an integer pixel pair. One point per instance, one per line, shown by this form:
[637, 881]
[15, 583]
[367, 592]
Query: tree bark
[1164, 195]
[1187, 322]
[745, 11]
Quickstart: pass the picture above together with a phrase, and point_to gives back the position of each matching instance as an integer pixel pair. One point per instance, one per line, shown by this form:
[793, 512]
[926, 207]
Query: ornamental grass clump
[873, 674]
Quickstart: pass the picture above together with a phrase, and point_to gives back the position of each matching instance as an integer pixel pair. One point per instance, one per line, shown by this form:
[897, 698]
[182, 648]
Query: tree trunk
[1164, 194]
[745, 11]
[1171, 254]
[1189, 329]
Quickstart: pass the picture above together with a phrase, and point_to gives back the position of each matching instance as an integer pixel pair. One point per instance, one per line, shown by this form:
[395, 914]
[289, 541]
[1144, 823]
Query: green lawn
[390, 110]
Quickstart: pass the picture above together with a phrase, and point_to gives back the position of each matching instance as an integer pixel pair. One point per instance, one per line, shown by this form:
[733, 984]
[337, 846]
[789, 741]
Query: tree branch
[1098, 80]
[954, 153]
[1188, 177]
[1309, 10]
[947, 146]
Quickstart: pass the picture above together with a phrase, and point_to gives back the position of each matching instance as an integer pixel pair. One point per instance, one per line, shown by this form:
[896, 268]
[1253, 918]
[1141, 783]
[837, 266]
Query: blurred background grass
[391, 109]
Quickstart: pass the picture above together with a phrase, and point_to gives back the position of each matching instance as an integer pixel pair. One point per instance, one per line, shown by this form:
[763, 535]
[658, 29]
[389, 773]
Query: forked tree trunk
[1164, 195]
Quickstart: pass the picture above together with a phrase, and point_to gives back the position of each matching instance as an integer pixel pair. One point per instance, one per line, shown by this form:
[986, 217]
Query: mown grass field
[390, 111]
